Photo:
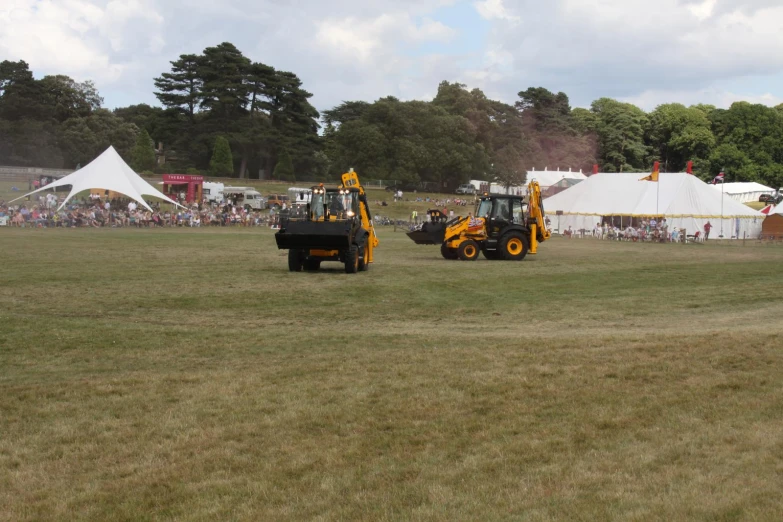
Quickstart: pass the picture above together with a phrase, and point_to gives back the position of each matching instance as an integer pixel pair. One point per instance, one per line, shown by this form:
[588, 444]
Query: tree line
[222, 114]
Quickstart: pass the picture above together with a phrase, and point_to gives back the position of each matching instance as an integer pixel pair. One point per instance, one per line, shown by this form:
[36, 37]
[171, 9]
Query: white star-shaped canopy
[107, 172]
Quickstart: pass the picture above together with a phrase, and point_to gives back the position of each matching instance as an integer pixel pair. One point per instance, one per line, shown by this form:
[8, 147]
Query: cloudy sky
[644, 51]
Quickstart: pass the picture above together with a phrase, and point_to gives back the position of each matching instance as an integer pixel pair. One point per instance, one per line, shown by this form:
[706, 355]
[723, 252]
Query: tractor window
[485, 208]
[518, 215]
[502, 210]
[341, 206]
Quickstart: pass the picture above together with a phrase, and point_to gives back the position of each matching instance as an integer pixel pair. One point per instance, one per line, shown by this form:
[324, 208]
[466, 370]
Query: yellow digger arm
[351, 180]
[536, 211]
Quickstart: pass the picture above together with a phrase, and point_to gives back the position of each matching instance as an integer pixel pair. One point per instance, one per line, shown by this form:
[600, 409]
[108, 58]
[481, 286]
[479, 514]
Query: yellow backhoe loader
[504, 227]
[336, 225]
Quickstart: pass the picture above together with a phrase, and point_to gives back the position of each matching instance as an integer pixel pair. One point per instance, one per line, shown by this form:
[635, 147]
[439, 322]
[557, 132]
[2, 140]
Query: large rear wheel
[352, 260]
[364, 255]
[468, 250]
[295, 260]
[448, 253]
[514, 246]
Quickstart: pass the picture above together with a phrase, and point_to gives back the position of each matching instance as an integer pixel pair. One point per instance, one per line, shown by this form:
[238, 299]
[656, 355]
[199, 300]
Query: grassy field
[186, 375]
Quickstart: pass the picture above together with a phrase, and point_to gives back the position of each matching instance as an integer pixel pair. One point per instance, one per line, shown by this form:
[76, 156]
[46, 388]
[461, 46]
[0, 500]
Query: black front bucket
[430, 234]
[314, 235]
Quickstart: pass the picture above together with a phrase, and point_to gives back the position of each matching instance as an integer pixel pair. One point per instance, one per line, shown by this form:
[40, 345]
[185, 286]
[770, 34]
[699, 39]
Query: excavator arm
[351, 180]
[536, 216]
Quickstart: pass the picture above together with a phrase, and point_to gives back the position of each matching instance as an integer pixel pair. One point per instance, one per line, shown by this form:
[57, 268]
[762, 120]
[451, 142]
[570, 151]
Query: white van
[246, 197]
[213, 192]
[300, 196]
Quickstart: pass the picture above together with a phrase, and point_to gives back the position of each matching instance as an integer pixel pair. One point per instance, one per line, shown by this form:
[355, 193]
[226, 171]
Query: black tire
[295, 260]
[312, 265]
[514, 246]
[448, 253]
[468, 250]
[363, 264]
[352, 260]
[492, 255]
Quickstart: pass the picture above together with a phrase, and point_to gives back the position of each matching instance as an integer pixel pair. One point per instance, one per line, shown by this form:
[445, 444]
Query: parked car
[276, 201]
[773, 199]
[245, 197]
[466, 188]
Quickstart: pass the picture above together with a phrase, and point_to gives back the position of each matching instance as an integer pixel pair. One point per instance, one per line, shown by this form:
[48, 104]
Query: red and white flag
[718, 179]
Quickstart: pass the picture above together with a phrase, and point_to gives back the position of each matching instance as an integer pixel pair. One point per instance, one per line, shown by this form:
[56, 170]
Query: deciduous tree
[222, 163]
[143, 153]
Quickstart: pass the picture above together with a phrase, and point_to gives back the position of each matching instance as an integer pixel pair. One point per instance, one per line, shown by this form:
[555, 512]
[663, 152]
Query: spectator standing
[707, 228]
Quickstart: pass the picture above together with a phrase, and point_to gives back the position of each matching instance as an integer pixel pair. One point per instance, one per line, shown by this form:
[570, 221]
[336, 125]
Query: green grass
[185, 374]
[756, 205]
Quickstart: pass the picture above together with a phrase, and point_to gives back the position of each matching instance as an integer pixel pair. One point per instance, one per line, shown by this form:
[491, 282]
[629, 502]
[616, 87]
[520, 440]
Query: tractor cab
[499, 212]
[332, 204]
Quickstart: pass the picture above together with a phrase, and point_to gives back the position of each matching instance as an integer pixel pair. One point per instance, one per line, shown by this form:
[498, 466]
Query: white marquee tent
[547, 178]
[108, 172]
[744, 192]
[685, 201]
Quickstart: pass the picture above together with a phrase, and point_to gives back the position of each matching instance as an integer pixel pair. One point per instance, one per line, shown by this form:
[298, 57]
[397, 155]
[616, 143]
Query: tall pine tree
[181, 88]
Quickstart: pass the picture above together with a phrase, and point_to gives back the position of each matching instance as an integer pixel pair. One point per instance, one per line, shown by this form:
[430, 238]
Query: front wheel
[295, 260]
[514, 246]
[468, 250]
[352, 260]
[448, 253]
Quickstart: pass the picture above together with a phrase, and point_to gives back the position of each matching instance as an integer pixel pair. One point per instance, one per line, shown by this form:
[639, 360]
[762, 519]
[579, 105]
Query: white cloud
[669, 50]
[494, 10]
[76, 37]
[132, 23]
[621, 48]
[648, 100]
[371, 39]
[702, 10]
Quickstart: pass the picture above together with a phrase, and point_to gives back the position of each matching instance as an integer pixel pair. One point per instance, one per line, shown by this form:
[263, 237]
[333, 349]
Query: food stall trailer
[191, 186]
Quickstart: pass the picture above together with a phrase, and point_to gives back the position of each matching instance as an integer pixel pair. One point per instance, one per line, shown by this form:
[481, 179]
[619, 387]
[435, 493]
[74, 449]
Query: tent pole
[722, 188]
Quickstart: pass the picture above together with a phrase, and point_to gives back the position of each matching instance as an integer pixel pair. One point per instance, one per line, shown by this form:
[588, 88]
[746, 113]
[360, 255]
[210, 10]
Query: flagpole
[722, 188]
[657, 193]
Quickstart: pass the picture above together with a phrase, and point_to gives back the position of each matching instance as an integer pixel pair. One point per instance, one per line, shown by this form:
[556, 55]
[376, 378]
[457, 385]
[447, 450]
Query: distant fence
[372, 183]
[26, 174]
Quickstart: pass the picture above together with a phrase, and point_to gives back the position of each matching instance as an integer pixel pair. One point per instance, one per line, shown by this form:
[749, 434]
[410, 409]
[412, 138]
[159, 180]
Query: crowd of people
[652, 230]
[127, 213]
[117, 213]
[447, 202]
